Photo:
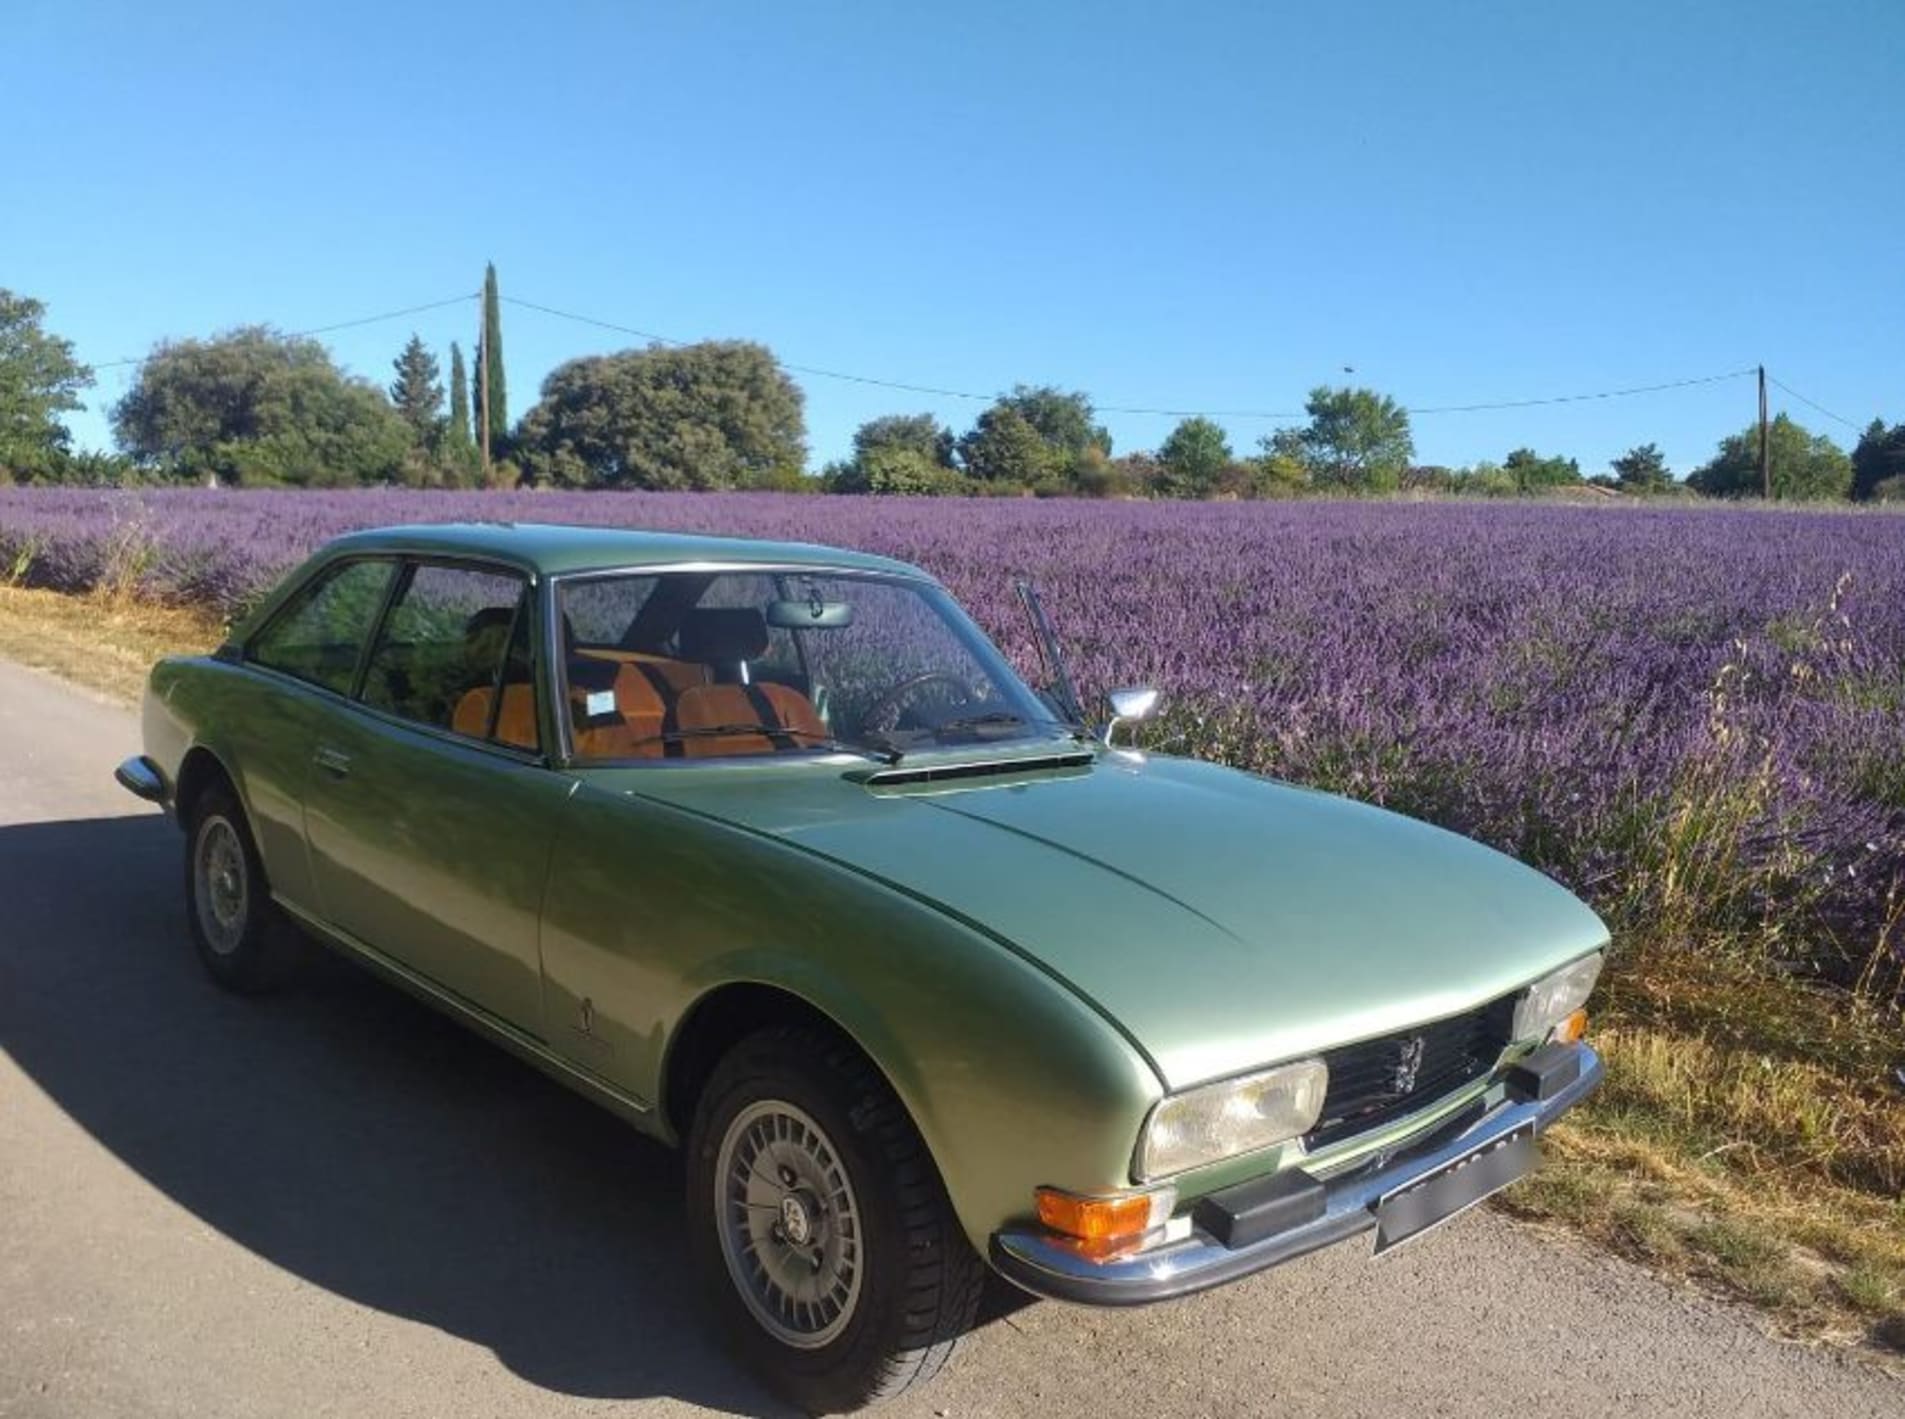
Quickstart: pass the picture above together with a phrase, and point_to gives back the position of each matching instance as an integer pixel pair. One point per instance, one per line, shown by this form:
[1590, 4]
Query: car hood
[1219, 919]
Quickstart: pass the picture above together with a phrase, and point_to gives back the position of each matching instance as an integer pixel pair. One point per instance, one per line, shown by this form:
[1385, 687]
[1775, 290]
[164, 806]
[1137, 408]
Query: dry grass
[106, 643]
[1749, 1137]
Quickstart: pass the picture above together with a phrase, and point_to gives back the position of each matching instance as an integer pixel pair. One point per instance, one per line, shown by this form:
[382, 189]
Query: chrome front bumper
[140, 777]
[1044, 1266]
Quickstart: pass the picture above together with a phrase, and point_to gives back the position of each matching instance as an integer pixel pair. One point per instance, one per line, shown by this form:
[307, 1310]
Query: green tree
[39, 380]
[1194, 457]
[1879, 458]
[458, 447]
[898, 453]
[920, 433]
[1806, 467]
[722, 414]
[1281, 468]
[1485, 480]
[1533, 473]
[1643, 469]
[1067, 422]
[256, 406]
[1038, 437]
[489, 357]
[1356, 440]
[896, 469]
[1004, 448]
[417, 392]
[1135, 475]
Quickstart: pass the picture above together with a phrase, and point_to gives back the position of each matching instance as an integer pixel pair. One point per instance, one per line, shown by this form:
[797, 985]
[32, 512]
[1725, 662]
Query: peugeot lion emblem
[1409, 1065]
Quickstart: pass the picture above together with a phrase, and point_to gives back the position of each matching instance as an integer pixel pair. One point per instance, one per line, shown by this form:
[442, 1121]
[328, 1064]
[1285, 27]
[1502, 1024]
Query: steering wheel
[884, 713]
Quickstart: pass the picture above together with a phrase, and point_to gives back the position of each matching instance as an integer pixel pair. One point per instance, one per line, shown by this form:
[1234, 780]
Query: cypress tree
[489, 359]
[462, 448]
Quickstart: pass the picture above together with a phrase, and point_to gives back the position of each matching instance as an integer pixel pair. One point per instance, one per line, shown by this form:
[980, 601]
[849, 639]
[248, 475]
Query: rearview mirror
[1128, 706]
[809, 615]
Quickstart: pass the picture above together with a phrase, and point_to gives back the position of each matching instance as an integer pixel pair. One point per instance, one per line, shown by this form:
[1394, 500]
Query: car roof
[553, 549]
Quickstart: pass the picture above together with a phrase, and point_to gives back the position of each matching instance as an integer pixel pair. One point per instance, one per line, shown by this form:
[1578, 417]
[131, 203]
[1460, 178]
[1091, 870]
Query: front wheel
[241, 940]
[820, 1226]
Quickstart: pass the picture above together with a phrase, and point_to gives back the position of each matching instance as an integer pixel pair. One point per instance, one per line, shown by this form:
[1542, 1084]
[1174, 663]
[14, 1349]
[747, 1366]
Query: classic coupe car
[768, 849]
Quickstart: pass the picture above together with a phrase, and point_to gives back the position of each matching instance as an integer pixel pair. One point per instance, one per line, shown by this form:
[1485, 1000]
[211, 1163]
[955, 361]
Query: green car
[768, 849]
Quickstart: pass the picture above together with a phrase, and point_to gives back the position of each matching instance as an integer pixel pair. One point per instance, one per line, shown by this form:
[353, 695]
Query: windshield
[717, 664]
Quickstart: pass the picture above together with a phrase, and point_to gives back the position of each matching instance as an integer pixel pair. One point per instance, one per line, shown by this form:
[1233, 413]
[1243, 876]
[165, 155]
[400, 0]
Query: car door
[430, 810]
[300, 668]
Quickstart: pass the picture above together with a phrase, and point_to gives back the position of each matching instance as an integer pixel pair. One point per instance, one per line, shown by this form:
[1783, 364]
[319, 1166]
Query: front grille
[1380, 1080]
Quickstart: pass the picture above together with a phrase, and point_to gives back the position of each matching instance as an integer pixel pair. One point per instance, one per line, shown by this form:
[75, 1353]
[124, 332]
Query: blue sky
[1188, 206]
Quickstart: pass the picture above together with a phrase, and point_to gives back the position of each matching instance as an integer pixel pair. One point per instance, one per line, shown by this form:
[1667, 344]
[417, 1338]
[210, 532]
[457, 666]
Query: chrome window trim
[765, 568]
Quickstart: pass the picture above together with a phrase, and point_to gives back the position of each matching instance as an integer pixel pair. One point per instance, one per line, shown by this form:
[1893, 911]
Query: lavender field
[1696, 717]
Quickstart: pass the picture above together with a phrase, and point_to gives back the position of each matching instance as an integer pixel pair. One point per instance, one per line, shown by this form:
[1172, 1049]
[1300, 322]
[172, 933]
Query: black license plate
[1454, 1187]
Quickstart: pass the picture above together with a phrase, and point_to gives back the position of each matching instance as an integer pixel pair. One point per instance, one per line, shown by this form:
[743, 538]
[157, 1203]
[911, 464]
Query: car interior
[623, 702]
[651, 672]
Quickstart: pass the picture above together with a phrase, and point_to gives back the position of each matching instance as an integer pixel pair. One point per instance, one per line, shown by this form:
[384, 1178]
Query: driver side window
[445, 654]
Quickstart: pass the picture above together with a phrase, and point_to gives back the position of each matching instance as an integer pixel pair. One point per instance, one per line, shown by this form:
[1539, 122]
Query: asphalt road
[334, 1202]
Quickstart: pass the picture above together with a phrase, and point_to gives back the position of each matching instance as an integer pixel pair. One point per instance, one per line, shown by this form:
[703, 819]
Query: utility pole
[1765, 450]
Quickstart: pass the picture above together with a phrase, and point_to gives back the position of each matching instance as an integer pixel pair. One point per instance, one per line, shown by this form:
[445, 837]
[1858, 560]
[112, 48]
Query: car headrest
[714, 634]
[486, 633]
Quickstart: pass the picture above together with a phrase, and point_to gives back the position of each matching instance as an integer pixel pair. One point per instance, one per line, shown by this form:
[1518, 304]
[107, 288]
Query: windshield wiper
[801, 737]
[1004, 718]
[992, 718]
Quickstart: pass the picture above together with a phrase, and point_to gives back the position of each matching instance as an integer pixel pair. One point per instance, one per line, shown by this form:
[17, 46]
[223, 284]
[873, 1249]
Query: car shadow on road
[348, 1134]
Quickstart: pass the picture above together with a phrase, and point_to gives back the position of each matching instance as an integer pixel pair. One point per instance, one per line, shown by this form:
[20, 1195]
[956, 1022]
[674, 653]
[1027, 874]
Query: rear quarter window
[320, 634]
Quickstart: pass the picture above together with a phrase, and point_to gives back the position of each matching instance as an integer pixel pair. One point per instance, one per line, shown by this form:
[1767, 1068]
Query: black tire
[241, 937]
[919, 1281]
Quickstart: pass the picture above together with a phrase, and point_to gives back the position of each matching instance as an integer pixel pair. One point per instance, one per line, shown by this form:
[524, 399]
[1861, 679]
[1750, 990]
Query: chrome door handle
[334, 762]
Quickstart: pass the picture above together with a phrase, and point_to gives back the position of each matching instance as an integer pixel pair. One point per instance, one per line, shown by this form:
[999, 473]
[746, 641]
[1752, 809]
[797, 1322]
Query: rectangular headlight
[1230, 1117]
[1554, 997]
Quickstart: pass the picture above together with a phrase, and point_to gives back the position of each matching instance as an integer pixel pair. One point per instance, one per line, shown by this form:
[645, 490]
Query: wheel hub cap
[789, 1224]
[794, 1224]
[218, 870]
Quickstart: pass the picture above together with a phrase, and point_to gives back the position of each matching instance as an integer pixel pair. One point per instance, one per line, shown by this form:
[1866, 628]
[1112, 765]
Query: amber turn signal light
[1103, 1225]
[1571, 1029]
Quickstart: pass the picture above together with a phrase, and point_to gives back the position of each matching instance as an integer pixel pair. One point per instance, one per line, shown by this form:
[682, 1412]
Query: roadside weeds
[1749, 1139]
[103, 641]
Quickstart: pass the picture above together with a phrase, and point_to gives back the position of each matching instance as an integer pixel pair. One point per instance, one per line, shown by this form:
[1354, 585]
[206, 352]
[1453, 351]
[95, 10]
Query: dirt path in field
[337, 1203]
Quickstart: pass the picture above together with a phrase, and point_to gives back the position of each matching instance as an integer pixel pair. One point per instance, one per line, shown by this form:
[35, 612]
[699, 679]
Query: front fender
[259, 729]
[1011, 1078]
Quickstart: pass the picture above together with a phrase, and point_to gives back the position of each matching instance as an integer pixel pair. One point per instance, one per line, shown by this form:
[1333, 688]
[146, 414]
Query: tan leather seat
[787, 719]
[679, 674]
[485, 641]
[515, 724]
[727, 640]
[637, 712]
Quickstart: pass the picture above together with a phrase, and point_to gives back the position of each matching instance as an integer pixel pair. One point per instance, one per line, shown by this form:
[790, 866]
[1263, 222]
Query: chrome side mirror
[1128, 706]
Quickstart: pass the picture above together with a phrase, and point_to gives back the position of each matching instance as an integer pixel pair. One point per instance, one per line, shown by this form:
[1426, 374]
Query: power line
[1578, 398]
[797, 369]
[937, 391]
[327, 329]
[1133, 409]
[1820, 407]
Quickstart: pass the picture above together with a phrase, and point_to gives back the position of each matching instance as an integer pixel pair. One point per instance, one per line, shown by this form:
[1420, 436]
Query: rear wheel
[821, 1228]
[242, 941]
